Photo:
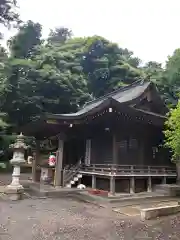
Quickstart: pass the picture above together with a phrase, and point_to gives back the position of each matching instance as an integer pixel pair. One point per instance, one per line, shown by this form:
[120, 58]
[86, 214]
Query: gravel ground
[5, 178]
[54, 219]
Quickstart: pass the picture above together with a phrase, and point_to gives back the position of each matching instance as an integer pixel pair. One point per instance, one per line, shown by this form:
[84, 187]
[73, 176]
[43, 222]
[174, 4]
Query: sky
[150, 28]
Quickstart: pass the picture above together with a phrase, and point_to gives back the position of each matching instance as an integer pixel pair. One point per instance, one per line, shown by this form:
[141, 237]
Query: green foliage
[60, 73]
[3, 124]
[172, 84]
[107, 66]
[173, 67]
[153, 71]
[59, 35]
[22, 45]
[2, 165]
[8, 13]
[172, 132]
[15, 71]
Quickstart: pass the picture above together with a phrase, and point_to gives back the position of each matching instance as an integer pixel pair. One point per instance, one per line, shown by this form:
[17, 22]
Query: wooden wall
[74, 150]
[101, 148]
[134, 145]
[119, 141]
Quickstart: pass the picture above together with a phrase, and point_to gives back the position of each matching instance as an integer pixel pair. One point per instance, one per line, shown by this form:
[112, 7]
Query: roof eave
[74, 116]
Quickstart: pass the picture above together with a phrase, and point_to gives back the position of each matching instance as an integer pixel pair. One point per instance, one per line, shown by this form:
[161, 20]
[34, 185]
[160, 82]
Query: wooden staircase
[71, 175]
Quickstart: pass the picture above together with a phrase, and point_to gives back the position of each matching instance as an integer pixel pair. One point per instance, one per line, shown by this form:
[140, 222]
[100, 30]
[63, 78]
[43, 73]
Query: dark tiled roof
[121, 95]
[125, 96]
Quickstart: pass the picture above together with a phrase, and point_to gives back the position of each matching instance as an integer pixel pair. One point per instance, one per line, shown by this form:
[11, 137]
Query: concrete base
[14, 193]
[168, 189]
[150, 213]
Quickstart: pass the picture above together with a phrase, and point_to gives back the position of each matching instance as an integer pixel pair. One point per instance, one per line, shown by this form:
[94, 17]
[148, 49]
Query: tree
[59, 35]
[173, 67]
[172, 78]
[169, 82]
[8, 14]
[22, 47]
[172, 136]
[153, 71]
[56, 81]
[59, 75]
[3, 76]
[23, 44]
[172, 132]
[49, 79]
[107, 66]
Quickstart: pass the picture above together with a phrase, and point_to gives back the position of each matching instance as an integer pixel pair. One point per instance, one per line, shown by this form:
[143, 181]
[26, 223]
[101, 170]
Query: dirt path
[67, 219]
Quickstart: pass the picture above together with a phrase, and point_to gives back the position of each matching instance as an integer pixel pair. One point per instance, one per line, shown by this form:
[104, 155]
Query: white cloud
[148, 27]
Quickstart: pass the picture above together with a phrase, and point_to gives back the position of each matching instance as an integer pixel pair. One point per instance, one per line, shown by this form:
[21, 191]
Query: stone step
[79, 175]
[52, 192]
[36, 193]
[160, 186]
[154, 212]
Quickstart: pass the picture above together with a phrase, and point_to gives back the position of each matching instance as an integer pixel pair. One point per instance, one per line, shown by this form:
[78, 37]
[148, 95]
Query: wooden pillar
[132, 185]
[149, 185]
[35, 161]
[164, 180]
[114, 150]
[94, 181]
[141, 152]
[112, 185]
[88, 152]
[58, 178]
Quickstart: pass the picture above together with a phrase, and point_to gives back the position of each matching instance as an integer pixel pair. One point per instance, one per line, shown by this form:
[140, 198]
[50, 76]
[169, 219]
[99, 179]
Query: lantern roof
[19, 143]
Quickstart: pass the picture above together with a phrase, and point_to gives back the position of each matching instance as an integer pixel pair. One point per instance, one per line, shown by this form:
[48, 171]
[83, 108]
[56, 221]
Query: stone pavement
[45, 219]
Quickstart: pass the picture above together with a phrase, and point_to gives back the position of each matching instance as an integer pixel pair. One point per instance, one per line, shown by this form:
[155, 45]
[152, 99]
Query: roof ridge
[113, 92]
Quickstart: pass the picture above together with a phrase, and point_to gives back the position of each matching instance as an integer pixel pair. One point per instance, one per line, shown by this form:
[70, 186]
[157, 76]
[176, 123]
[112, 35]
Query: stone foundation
[14, 194]
[155, 212]
[168, 189]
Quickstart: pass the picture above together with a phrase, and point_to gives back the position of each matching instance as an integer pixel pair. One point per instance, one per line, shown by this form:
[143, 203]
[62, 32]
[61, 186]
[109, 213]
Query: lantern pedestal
[15, 190]
[13, 193]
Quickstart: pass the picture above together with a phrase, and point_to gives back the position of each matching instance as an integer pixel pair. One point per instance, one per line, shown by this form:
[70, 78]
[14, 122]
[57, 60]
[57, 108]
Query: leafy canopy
[60, 73]
[8, 13]
[172, 132]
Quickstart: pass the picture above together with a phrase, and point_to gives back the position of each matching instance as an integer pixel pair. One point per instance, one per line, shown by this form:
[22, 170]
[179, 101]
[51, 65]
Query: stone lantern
[15, 189]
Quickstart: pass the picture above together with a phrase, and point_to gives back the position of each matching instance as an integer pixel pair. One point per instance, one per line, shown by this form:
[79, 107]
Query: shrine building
[113, 143]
